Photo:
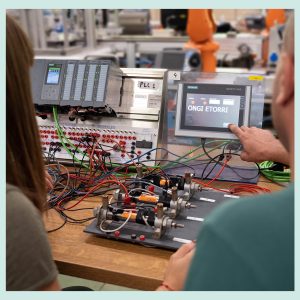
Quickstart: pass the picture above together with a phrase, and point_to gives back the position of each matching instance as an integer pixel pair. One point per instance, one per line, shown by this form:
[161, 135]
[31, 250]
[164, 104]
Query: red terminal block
[151, 188]
[127, 200]
[117, 233]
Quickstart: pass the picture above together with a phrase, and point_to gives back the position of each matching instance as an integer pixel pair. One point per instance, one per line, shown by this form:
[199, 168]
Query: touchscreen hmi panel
[205, 110]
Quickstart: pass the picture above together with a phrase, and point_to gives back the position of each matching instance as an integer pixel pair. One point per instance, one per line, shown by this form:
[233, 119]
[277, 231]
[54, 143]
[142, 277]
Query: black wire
[208, 164]
[73, 220]
[82, 159]
[227, 166]
[179, 163]
[59, 227]
[53, 154]
[77, 209]
[221, 157]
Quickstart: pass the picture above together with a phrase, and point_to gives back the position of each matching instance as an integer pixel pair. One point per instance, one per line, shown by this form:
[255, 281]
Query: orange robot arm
[200, 28]
[275, 16]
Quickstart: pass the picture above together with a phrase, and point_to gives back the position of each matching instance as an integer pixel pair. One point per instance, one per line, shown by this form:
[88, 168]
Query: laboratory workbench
[83, 255]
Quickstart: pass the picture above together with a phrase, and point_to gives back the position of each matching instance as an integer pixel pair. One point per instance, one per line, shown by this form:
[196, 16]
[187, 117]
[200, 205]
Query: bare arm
[259, 145]
[178, 267]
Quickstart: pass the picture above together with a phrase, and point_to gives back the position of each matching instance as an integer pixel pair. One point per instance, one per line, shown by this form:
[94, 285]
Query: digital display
[53, 73]
[212, 107]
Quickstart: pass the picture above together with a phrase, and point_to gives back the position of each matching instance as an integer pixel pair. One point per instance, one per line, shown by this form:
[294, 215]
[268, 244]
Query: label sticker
[207, 199]
[154, 101]
[231, 196]
[148, 85]
[183, 241]
[174, 75]
[195, 219]
[140, 101]
[256, 77]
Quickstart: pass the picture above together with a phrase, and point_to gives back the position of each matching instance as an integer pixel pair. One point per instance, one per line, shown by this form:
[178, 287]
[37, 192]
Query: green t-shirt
[29, 262]
[247, 245]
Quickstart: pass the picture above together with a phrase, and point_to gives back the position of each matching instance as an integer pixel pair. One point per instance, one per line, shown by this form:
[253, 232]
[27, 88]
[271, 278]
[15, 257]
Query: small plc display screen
[53, 73]
[212, 106]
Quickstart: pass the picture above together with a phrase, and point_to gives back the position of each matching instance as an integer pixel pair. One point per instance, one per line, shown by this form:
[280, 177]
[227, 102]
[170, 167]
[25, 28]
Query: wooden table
[83, 255]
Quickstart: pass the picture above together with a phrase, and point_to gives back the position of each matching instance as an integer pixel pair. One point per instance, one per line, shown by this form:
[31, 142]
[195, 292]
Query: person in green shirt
[248, 244]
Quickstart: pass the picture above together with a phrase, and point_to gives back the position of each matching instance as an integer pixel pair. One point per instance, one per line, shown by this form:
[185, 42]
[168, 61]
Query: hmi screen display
[211, 107]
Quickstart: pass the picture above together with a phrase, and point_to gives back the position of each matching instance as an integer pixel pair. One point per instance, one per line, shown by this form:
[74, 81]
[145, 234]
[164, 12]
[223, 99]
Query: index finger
[236, 130]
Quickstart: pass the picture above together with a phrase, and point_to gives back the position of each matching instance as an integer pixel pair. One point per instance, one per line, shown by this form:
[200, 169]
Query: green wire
[62, 136]
[278, 176]
[61, 131]
[195, 157]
